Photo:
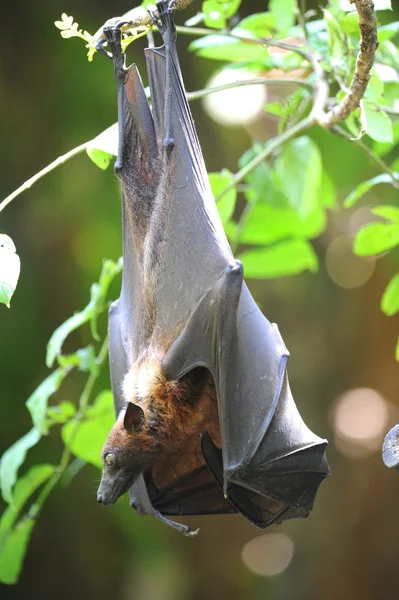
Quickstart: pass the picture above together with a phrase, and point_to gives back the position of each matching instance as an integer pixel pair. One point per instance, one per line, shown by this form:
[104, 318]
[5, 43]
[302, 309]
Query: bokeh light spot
[359, 418]
[268, 554]
[344, 267]
[234, 106]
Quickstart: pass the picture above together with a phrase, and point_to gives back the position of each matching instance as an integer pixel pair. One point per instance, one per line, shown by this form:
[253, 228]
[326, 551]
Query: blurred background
[342, 366]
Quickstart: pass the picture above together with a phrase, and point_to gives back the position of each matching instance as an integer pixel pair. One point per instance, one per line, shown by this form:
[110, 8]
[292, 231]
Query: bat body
[206, 420]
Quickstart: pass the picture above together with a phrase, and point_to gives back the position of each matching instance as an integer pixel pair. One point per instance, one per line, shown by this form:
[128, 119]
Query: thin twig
[369, 153]
[239, 83]
[58, 161]
[66, 454]
[268, 150]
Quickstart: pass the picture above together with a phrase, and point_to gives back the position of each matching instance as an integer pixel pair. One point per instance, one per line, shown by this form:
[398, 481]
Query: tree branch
[364, 63]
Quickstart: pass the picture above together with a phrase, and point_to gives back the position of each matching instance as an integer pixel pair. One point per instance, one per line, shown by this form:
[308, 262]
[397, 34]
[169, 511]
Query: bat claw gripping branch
[111, 35]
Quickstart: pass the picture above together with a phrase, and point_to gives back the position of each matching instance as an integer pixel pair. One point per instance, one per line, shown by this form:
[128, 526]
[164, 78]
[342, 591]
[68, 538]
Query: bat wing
[271, 464]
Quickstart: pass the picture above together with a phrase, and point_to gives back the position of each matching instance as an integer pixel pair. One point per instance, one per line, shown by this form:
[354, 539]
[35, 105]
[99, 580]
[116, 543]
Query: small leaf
[390, 297]
[299, 169]
[100, 158]
[261, 25]
[60, 413]
[376, 238]
[387, 32]
[378, 124]
[24, 489]
[104, 147]
[217, 47]
[90, 313]
[226, 204]
[61, 333]
[365, 186]
[10, 266]
[327, 192]
[37, 402]
[218, 12]
[284, 13]
[275, 108]
[287, 258]
[86, 437]
[268, 224]
[13, 552]
[12, 459]
[388, 212]
[99, 291]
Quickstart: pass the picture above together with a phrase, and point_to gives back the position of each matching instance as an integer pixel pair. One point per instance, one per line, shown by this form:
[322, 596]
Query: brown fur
[174, 411]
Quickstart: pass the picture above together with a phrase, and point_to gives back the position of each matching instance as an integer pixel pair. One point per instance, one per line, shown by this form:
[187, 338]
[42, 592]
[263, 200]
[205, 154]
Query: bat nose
[99, 498]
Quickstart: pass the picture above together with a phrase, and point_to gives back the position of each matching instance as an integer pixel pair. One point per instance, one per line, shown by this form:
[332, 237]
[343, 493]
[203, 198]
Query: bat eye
[110, 459]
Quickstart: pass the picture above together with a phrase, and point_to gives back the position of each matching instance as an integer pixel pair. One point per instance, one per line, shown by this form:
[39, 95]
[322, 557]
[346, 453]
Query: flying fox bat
[206, 422]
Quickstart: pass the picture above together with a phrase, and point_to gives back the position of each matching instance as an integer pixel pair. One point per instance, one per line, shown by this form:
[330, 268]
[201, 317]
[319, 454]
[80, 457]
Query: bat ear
[134, 418]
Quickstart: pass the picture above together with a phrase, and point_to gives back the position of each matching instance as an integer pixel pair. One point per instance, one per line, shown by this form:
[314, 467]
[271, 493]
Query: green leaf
[217, 47]
[84, 359]
[13, 552]
[218, 12]
[375, 88]
[226, 204]
[90, 313]
[267, 224]
[37, 402]
[299, 169]
[390, 297]
[284, 13]
[381, 149]
[85, 438]
[388, 212]
[260, 24]
[387, 32]
[350, 22]
[276, 109]
[287, 258]
[10, 266]
[12, 459]
[60, 413]
[337, 43]
[378, 123]
[376, 238]
[103, 148]
[24, 489]
[327, 192]
[365, 186]
[57, 339]
[99, 157]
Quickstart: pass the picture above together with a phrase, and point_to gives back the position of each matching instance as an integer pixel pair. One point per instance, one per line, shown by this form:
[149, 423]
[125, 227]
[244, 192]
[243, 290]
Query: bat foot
[163, 18]
[111, 36]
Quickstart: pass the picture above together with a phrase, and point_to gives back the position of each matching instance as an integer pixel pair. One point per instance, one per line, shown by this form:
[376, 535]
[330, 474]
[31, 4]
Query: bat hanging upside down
[206, 421]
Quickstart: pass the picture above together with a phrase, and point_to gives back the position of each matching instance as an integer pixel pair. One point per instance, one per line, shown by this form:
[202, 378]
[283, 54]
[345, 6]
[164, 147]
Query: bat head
[128, 451]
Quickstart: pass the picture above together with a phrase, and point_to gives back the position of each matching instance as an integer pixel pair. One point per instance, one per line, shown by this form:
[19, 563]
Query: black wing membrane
[270, 464]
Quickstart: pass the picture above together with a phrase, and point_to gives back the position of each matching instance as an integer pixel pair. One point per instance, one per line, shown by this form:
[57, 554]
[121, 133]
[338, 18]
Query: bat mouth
[110, 491]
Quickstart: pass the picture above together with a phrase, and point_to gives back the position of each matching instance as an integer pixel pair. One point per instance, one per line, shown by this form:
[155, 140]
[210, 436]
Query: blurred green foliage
[284, 205]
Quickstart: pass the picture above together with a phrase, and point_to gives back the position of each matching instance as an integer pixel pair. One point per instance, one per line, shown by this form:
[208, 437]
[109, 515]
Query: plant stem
[270, 147]
[242, 82]
[66, 454]
[58, 161]
[369, 153]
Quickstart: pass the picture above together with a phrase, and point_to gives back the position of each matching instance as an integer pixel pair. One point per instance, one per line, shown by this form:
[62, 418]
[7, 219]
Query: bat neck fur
[172, 410]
